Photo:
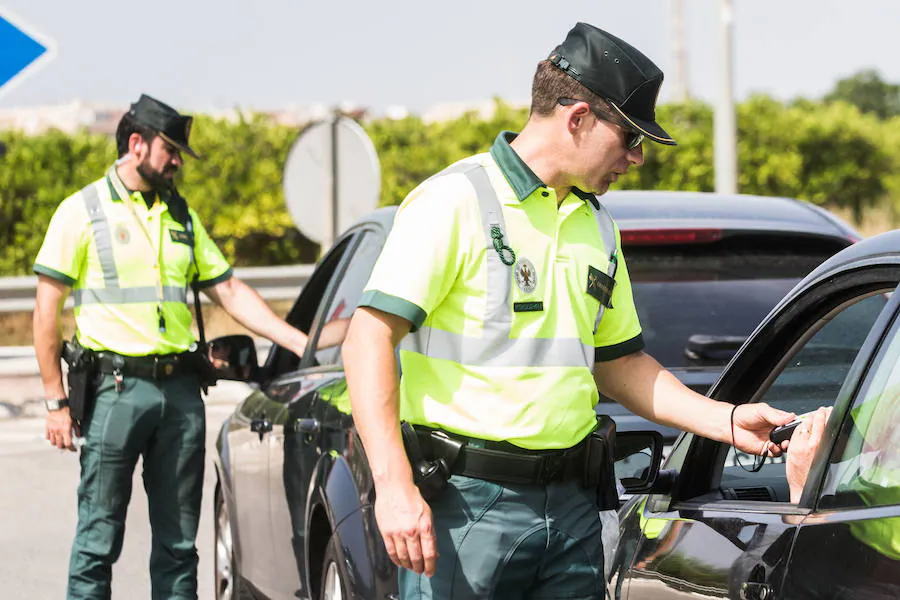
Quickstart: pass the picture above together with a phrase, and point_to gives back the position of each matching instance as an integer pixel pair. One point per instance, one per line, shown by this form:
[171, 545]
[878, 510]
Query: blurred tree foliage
[830, 153]
[869, 93]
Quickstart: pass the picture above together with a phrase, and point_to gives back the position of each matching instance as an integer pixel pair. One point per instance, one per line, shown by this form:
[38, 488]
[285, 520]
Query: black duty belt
[501, 461]
[152, 366]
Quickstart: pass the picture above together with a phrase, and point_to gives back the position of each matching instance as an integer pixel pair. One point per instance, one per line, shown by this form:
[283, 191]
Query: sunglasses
[633, 138]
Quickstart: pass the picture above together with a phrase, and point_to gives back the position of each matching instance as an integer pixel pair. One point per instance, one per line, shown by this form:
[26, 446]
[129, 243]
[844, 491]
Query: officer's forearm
[647, 389]
[370, 365]
[47, 335]
[248, 308]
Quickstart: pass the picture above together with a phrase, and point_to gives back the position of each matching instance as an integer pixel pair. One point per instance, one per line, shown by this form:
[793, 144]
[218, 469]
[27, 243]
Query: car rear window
[697, 303]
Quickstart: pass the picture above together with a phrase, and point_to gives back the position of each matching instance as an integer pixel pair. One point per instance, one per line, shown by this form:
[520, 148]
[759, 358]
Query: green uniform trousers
[164, 423]
[513, 542]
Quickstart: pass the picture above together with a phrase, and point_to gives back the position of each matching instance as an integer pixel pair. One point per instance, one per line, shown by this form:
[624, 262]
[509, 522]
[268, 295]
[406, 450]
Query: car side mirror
[234, 357]
[637, 456]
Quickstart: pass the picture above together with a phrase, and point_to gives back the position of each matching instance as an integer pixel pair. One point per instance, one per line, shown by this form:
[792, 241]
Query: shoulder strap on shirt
[178, 208]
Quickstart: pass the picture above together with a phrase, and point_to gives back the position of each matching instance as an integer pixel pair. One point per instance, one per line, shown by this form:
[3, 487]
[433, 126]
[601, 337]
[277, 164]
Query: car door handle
[756, 591]
[261, 425]
[307, 426]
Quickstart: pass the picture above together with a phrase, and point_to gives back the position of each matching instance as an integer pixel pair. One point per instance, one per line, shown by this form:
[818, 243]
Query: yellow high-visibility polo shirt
[124, 266]
[501, 352]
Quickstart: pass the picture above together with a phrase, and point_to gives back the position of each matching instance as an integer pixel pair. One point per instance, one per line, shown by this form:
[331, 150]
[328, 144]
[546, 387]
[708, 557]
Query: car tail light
[652, 237]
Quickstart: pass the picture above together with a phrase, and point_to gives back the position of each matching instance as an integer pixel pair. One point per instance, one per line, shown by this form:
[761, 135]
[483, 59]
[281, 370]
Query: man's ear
[576, 116]
[136, 143]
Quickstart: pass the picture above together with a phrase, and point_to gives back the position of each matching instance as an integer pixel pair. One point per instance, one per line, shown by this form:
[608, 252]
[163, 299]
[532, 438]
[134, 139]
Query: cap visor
[180, 146]
[649, 128]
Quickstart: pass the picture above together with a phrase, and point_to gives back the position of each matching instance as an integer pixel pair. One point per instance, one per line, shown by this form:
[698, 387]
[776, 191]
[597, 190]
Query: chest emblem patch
[123, 236]
[526, 276]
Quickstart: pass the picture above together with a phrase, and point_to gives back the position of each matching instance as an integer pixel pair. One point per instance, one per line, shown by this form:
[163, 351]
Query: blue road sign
[18, 50]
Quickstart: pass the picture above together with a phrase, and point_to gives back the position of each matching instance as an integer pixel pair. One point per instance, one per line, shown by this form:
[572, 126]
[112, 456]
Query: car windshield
[697, 304]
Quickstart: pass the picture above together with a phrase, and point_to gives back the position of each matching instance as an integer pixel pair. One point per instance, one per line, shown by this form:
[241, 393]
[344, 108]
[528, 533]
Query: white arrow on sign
[23, 51]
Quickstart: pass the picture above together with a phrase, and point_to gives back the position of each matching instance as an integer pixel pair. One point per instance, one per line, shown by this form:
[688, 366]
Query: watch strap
[56, 403]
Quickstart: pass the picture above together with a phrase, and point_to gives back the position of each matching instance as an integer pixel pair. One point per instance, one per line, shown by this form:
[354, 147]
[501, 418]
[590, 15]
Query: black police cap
[618, 72]
[165, 121]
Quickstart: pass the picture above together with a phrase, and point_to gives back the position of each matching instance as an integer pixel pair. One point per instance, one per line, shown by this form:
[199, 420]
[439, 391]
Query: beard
[158, 179]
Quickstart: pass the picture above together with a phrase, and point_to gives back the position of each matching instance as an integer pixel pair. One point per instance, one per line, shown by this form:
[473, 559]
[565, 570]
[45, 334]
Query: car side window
[864, 469]
[345, 299]
[301, 315]
[817, 367]
[810, 375]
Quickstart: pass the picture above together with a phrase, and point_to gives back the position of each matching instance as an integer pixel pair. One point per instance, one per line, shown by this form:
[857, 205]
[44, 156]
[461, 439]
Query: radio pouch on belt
[80, 378]
[599, 466]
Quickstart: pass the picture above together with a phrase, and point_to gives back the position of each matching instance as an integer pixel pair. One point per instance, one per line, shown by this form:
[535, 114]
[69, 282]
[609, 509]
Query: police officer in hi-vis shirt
[128, 261]
[504, 286]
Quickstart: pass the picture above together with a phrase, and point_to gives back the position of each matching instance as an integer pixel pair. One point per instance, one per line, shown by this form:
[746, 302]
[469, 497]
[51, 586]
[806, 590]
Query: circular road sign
[331, 179]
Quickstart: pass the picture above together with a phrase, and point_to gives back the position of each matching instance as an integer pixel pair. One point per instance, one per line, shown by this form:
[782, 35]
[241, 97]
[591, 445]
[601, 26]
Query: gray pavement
[38, 502]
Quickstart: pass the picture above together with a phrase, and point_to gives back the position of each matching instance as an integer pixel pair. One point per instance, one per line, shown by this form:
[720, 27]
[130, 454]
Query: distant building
[69, 118]
[102, 119]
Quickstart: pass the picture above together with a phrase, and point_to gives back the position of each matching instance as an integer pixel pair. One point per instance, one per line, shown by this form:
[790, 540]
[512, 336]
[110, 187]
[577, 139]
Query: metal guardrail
[17, 295]
[272, 283]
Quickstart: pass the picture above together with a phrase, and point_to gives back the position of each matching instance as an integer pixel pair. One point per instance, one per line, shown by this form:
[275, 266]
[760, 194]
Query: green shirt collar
[519, 175]
[115, 195]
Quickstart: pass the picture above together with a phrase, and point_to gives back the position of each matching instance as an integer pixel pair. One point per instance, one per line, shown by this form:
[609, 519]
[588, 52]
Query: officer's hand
[404, 519]
[59, 429]
[752, 425]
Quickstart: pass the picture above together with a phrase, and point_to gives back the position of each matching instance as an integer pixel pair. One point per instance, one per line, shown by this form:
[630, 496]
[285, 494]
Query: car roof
[882, 249]
[634, 210]
[743, 212]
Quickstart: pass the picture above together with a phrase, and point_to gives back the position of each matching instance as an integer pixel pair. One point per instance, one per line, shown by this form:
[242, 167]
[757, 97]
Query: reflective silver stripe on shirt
[132, 295]
[496, 351]
[102, 235]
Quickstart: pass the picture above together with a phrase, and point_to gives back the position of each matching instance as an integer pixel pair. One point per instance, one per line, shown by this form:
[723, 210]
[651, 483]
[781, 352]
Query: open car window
[864, 467]
[336, 317]
[811, 374]
[807, 355]
[280, 360]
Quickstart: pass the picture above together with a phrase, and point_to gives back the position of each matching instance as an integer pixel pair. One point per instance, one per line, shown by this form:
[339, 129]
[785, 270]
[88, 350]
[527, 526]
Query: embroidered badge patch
[122, 234]
[600, 286]
[526, 276]
[180, 236]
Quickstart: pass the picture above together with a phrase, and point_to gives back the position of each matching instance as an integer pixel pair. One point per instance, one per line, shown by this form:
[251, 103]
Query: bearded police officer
[121, 247]
[503, 283]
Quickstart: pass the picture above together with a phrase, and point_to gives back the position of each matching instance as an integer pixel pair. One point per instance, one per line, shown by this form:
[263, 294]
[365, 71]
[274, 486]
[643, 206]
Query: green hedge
[829, 154]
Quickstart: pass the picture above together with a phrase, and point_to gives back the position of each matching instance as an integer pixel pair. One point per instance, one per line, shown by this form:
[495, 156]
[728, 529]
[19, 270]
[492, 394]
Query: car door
[262, 416]
[849, 546]
[723, 530]
[299, 434]
[250, 464]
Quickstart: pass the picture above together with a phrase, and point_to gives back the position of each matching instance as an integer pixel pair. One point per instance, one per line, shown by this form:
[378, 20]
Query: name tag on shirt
[600, 286]
[181, 237]
[528, 306]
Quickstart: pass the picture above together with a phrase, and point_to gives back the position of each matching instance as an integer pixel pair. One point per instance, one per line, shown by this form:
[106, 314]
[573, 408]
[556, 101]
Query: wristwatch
[56, 403]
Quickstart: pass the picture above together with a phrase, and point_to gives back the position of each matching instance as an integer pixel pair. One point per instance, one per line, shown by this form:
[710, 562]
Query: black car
[714, 529]
[706, 268]
[294, 497]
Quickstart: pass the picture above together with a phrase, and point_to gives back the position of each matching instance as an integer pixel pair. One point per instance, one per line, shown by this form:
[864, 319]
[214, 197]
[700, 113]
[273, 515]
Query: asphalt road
[38, 512]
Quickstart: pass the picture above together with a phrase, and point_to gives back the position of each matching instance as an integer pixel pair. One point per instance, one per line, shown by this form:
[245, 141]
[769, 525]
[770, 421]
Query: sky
[269, 54]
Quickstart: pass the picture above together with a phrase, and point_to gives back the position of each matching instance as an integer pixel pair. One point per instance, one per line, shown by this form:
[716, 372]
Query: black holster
[599, 465]
[203, 366]
[81, 378]
[429, 475]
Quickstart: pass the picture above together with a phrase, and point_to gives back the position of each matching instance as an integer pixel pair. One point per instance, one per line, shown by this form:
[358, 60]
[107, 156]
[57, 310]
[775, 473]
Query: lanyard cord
[127, 199]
